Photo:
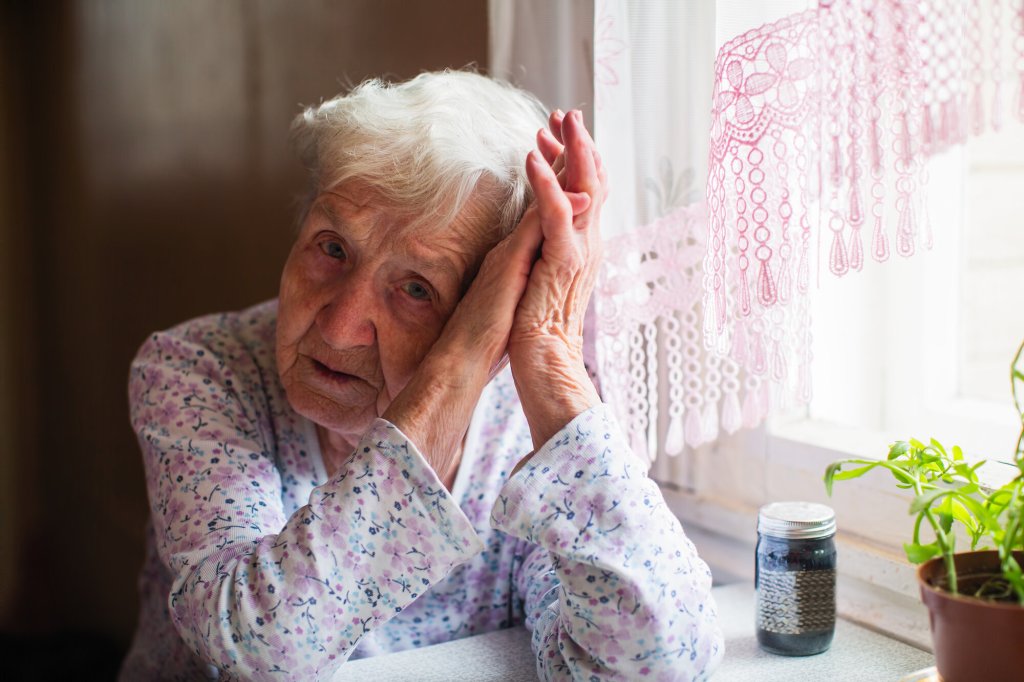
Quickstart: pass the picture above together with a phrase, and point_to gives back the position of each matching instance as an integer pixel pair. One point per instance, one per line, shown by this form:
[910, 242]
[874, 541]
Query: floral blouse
[260, 566]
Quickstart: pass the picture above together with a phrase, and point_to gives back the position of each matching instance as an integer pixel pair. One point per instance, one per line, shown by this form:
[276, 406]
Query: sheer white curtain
[547, 48]
[653, 78]
[646, 71]
[753, 148]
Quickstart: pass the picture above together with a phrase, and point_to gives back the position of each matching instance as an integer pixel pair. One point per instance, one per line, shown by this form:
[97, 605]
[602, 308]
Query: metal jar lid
[796, 520]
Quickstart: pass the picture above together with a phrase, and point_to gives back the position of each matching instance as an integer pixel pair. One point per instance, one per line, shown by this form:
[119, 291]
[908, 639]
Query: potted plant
[975, 598]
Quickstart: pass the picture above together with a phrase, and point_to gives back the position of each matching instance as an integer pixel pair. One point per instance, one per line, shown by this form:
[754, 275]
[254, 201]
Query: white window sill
[857, 653]
[877, 586]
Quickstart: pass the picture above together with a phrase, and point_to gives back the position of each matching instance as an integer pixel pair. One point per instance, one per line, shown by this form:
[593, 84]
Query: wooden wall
[145, 179]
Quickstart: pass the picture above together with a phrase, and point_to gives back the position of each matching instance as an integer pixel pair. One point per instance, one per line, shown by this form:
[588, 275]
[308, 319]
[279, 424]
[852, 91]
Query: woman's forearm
[554, 387]
[633, 598]
[296, 600]
[434, 408]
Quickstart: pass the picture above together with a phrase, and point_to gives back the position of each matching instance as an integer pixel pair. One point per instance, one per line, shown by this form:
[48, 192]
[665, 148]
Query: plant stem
[1006, 547]
[947, 554]
[940, 537]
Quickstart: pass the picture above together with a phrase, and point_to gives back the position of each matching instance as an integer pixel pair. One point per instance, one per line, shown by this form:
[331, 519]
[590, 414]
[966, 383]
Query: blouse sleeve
[613, 590]
[262, 595]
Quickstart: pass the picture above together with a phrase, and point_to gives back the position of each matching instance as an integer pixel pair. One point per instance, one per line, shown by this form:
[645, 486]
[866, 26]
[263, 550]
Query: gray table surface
[857, 654]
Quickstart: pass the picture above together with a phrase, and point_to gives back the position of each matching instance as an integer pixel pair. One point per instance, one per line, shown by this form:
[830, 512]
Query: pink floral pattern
[260, 567]
[610, 50]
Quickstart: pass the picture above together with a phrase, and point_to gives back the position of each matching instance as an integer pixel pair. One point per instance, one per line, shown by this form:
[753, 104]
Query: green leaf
[983, 516]
[965, 472]
[830, 472]
[964, 516]
[834, 471]
[899, 472]
[853, 473]
[968, 488]
[898, 449]
[918, 554]
[958, 454]
[926, 500]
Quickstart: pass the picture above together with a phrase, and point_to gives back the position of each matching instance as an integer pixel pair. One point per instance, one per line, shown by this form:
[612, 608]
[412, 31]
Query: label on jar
[794, 602]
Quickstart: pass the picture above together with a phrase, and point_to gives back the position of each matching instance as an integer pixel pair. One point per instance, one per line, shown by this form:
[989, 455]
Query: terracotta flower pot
[973, 639]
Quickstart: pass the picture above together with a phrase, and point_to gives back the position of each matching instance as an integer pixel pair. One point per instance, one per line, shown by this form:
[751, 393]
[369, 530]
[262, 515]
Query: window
[922, 346]
[916, 347]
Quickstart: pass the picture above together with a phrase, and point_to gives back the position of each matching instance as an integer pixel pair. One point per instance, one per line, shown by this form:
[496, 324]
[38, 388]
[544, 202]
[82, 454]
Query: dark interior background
[145, 178]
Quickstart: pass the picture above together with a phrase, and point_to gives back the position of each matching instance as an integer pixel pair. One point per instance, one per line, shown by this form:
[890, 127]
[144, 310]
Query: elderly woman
[351, 470]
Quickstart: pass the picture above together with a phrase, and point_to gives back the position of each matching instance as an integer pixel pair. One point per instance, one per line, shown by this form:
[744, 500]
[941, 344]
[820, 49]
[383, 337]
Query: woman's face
[362, 300]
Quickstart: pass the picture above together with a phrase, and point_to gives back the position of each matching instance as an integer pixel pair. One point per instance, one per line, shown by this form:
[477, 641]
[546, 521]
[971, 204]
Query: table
[857, 654]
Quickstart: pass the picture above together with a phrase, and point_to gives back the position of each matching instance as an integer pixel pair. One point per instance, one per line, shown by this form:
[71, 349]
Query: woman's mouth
[330, 374]
[342, 387]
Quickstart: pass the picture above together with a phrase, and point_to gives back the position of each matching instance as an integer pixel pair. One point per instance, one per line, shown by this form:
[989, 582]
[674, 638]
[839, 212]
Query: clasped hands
[527, 303]
[545, 334]
[545, 344]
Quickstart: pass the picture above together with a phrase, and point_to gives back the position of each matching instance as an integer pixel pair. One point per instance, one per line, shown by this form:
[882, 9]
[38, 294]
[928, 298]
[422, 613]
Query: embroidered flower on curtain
[608, 50]
[784, 77]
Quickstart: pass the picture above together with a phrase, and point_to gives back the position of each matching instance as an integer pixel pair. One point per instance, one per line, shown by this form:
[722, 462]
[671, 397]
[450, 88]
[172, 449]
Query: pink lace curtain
[822, 121]
[753, 148]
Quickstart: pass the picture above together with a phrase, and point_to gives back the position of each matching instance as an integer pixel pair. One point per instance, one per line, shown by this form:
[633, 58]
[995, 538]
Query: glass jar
[795, 578]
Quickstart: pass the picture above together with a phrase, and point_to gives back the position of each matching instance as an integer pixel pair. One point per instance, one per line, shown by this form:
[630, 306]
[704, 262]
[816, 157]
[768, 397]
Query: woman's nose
[347, 319]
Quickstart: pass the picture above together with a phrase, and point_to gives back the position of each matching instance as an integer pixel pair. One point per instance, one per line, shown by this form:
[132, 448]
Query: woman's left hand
[546, 341]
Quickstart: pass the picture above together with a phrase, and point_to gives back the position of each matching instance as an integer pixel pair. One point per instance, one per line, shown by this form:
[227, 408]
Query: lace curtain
[753, 148]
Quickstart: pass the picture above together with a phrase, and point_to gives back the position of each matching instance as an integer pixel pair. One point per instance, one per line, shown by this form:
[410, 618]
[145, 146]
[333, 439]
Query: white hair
[431, 146]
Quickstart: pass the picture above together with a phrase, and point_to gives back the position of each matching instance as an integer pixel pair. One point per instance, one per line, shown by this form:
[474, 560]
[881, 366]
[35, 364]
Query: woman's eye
[417, 291]
[333, 250]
